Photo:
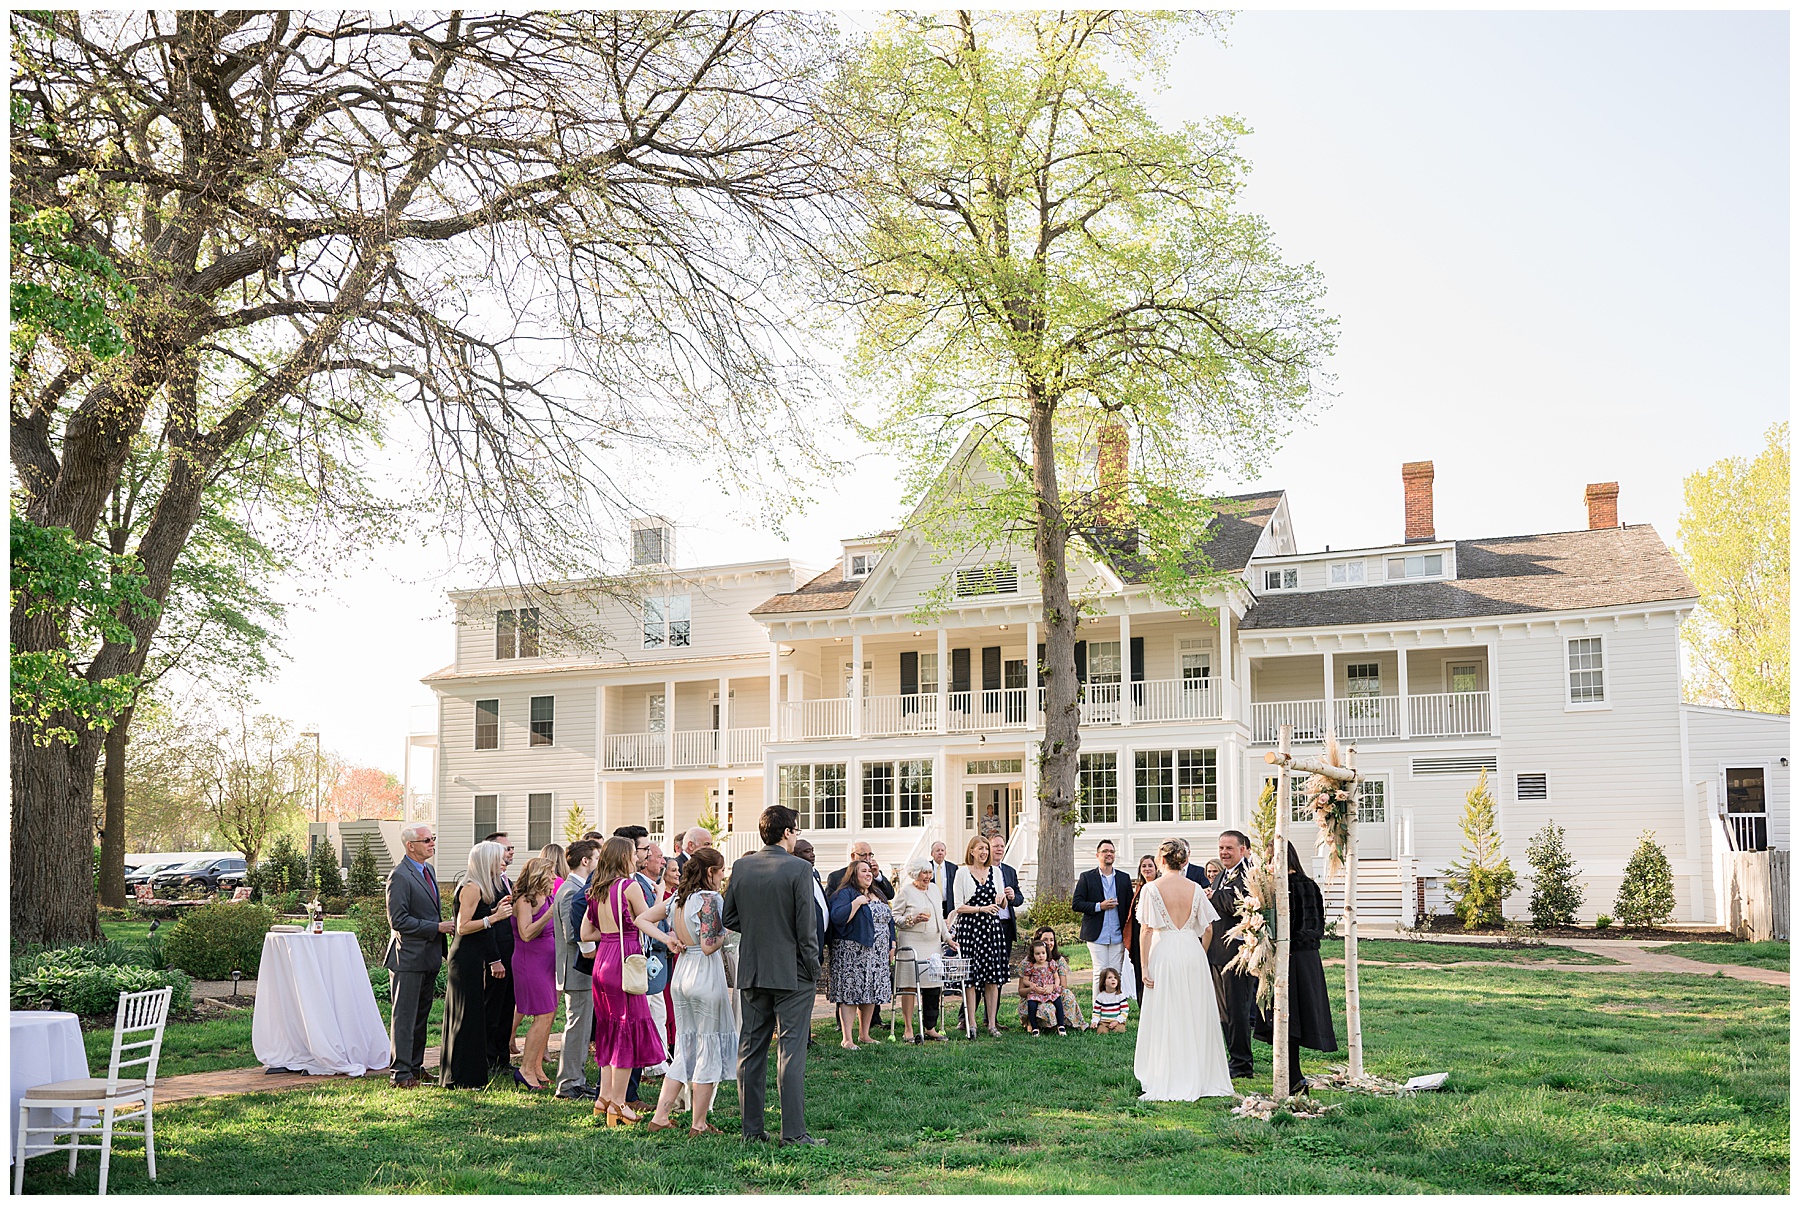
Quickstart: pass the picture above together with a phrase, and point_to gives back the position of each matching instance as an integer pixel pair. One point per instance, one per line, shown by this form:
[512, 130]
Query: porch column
[1405, 697]
[599, 733]
[1126, 703]
[943, 655]
[1031, 676]
[1231, 770]
[856, 686]
[1330, 695]
[668, 726]
[1228, 709]
[722, 747]
[1493, 685]
[774, 690]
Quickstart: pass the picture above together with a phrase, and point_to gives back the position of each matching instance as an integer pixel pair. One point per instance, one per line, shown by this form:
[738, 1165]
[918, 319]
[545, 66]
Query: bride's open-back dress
[1180, 1048]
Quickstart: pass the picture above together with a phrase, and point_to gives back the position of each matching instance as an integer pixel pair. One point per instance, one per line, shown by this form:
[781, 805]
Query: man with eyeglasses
[417, 940]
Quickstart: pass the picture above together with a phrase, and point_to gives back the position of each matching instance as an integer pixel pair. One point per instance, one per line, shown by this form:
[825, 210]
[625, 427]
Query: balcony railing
[990, 710]
[1102, 703]
[897, 715]
[1376, 717]
[1174, 699]
[691, 750]
[1464, 713]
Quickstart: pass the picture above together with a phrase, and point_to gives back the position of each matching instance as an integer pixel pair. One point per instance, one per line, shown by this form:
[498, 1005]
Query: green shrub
[212, 942]
[1482, 878]
[287, 902]
[1556, 891]
[1603, 921]
[371, 919]
[327, 876]
[335, 905]
[85, 980]
[365, 875]
[1057, 913]
[283, 868]
[1647, 896]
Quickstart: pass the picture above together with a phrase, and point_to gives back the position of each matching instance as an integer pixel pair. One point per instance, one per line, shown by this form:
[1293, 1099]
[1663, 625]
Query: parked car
[148, 866]
[208, 872]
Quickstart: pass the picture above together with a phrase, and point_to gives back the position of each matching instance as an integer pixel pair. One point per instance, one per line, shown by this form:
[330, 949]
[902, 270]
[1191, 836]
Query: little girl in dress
[1040, 985]
[1112, 1007]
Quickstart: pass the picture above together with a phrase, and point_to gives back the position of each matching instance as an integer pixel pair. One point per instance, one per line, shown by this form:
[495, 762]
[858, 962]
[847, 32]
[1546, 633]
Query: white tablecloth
[315, 1011]
[46, 1049]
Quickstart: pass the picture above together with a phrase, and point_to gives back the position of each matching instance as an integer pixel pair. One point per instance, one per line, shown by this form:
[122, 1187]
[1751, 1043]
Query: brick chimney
[1603, 505]
[1416, 475]
[1115, 472]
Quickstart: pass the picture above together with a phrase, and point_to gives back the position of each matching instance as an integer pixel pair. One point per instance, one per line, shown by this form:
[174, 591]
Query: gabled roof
[826, 592]
[1229, 542]
[1512, 575]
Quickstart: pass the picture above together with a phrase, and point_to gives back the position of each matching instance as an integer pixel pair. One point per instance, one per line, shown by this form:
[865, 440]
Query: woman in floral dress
[862, 947]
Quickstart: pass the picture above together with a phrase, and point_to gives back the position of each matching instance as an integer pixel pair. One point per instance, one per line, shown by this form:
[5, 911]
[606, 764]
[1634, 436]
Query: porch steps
[351, 833]
[1379, 891]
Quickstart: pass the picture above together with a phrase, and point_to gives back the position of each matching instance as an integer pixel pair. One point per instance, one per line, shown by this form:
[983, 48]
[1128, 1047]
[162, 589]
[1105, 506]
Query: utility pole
[316, 756]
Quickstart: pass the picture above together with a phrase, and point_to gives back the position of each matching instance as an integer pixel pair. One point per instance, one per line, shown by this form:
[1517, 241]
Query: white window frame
[1406, 574]
[656, 813]
[531, 723]
[1350, 683]
[1287, 577]
[1570, 703]
[1193, 646]
[1386, 798]
[668, 621]
[869, 560]
[1450, 676]
[1114, 676]
[1350, 573]
[499, 729]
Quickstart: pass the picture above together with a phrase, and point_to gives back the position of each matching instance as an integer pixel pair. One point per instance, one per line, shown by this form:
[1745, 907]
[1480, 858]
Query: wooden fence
[1759, 894]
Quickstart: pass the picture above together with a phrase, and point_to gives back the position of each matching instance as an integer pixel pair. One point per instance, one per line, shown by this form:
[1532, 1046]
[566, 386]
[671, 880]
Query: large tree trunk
[112, 835]
[53, 840]
[1058, 757]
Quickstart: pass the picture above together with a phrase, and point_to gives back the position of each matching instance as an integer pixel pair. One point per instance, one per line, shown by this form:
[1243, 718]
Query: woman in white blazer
[919, 916]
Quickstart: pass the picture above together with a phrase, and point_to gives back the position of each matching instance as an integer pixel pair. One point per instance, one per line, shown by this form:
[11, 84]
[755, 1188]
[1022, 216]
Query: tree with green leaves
[575, 823]
[1647, 895]
[1556, 891]
[547, 239]
[1483, 877]
[1734, 545]
[258, 785]
[365, 872]
[1044, 267]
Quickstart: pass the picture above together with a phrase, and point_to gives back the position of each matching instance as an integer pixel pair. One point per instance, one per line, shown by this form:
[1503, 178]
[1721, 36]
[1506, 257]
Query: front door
[1746, 812]
[992, 812]
[1374, 828]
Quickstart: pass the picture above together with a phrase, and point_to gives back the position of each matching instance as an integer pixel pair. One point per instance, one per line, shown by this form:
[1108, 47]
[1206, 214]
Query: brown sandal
[705, 1128]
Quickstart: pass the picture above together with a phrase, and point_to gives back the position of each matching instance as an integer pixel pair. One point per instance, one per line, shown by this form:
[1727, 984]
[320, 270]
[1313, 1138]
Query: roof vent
[652, 543]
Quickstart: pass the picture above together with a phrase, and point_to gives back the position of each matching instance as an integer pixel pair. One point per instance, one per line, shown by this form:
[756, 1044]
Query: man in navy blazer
[1015, 901]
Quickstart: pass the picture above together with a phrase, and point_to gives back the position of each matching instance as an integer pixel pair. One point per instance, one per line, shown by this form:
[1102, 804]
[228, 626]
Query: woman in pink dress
[534, 968]
[624, 1033]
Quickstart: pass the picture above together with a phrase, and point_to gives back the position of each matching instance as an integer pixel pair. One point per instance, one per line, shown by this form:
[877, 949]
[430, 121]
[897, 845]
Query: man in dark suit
[1240, 989]
[577, 988]
[1100, 896]
[770, 903]
[803, 849]
[862, 851]
[1195, 872]
[416, 945]
[943, 873]
[497, 999]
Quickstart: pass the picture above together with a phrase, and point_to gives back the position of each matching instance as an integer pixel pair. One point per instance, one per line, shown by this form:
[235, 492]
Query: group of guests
[564, 930]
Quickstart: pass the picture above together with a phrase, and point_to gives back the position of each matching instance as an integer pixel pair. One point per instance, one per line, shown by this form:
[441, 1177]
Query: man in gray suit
[770, 902]
[416, 945]
[576, 987]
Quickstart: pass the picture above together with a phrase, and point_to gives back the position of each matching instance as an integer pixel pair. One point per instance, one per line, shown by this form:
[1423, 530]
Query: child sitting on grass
[1112, 1006]
[1040, 984]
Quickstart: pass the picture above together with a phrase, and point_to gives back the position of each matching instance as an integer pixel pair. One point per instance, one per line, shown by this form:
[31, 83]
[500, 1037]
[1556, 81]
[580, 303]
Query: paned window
[1465, 679]
[915, 792]
[487, 725]
[668, 622]
[928, 674]
[487, 815]
[816, 792]
[1430, 564]
[878, 794]
[1363, 678]
[516, 633]
[537, 820]
[1197, 784]
[1587, 673]
[1155, 785]
[656, 714]
[543, 720]
[1349, 573]
[1099, 783]
[1371, 801]
[1103, 664]
[1281, 579]
[988, 767]
[655, 813]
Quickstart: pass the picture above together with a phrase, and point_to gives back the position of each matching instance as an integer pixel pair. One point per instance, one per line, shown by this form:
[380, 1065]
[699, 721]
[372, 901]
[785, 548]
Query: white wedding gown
[1180, 1048]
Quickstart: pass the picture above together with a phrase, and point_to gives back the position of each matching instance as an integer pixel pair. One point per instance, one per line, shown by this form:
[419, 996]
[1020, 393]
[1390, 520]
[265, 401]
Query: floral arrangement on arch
[1331, 802]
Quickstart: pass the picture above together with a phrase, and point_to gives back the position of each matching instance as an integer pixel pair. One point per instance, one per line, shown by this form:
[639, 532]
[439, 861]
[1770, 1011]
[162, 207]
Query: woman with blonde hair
[559, 864]
[534, 968]
[624, 1033]
[474, 958]
[978, 929]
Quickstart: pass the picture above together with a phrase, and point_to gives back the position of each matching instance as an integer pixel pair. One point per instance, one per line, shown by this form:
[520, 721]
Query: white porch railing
[1306, 715]
[691, 750]
[897, 715]
[1100, 703]
[810, 719]
[989, 710]
[1174, 699]
[1367, 717]
[738, 843]
[1464, 713]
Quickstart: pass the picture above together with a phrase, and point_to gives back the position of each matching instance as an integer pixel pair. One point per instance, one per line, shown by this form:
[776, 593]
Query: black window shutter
[990, 668]
[1081, 661]
[1137, 658]
[909, 673]
[959, 669]
[1040, 663]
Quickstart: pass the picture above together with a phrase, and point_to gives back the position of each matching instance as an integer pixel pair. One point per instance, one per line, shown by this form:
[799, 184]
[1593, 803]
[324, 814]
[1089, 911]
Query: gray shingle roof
[826, 592]
[1513, 575]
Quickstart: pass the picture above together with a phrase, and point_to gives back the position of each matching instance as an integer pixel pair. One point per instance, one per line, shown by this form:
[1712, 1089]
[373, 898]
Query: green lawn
[1559, 1082]
[1448, 951]
[1771, 955]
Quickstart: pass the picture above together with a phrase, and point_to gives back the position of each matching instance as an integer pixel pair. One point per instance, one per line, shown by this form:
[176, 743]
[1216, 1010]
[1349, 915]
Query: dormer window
[862, 564]
[1281, 579]
[1430, 564]
[1349, 573]
[516, 633]
[987, 579]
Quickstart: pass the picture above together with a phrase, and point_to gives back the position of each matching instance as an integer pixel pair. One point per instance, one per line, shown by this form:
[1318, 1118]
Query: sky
[1557, 245]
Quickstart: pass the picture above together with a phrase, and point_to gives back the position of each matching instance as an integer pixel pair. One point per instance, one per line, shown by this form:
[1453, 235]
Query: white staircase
[1380, 891]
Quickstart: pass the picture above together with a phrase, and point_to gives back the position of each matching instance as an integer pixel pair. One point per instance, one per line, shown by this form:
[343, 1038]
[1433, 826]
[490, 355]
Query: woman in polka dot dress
[978, 929]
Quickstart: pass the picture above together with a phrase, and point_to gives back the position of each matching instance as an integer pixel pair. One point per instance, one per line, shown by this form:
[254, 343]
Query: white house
[1551, 661]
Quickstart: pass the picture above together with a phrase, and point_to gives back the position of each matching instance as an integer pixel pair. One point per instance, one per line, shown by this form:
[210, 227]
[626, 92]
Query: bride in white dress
[1180, 1048]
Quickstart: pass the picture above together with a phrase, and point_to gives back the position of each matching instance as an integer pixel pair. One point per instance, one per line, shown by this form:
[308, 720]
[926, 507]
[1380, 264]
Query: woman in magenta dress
[534, 968]
[624, 1034]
